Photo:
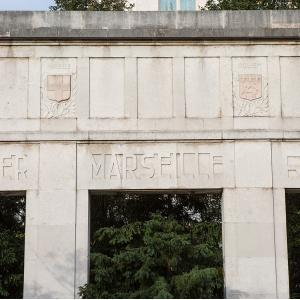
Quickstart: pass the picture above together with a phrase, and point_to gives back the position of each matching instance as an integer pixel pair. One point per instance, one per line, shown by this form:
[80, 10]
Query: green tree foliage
[12, 227]
[293, 235]
[251, 4]
[91, 5]
[155, 246]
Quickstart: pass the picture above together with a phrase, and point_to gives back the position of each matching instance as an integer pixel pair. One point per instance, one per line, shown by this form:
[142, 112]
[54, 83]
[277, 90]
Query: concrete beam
[201, 25]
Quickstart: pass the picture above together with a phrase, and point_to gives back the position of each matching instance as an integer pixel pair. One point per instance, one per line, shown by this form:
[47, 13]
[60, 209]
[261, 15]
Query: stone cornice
[157, 26]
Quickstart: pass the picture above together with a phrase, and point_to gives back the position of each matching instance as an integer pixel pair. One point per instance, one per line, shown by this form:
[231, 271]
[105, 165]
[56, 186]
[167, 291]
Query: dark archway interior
[293, 237]
[155, 244]
[12, 242]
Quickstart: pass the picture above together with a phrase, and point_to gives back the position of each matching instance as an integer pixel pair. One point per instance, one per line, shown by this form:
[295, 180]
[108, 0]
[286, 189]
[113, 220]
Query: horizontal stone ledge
[150, 35]
[149, 136]
[283, 24]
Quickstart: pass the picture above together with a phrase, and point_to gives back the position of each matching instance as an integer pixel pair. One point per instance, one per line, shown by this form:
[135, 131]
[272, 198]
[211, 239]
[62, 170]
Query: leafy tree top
[251, 4]
[12, 227]
[91, 5]
[155, 246]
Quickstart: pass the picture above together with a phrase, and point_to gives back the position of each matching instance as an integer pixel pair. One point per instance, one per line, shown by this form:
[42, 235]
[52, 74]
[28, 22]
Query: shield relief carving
[250, 86]
[59, 87]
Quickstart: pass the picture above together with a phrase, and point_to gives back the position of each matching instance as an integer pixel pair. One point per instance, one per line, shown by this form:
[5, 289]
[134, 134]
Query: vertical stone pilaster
[248, 215]
[82, 240]
[50, 240]
[249, 248]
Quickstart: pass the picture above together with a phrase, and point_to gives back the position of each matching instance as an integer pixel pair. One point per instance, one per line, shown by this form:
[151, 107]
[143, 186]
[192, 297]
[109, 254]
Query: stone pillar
[282, 269]
[82, 240]
[50, 225]
[248, 215]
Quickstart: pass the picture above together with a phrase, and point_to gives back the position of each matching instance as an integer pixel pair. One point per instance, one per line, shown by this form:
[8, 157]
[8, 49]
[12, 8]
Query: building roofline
[145, 26]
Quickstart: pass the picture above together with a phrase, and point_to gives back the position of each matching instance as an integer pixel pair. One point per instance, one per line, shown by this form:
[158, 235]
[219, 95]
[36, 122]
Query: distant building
[168, 5]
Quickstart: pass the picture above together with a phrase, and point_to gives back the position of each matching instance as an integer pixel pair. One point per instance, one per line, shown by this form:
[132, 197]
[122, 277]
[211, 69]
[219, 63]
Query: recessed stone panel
[155, 87]
[159, 165]
[107, 87]
[19, 167]
[58, 88]
[250, 87]
[13, 87]
[290, 86]
[202, 87]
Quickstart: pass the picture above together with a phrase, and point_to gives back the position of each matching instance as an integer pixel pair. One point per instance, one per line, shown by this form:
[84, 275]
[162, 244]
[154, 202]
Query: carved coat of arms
[59, 87]
[250, 86]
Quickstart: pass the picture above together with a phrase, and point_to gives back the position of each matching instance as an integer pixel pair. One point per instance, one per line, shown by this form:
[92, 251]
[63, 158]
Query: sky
[25, 4]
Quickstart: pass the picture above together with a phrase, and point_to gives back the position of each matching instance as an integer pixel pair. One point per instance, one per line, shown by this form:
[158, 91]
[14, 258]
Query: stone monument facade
[140, 100]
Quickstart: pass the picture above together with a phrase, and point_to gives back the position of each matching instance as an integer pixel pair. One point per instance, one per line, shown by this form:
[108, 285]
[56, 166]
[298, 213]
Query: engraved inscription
[109, 166]
[250, 86]
[59, 87]
[293, 166]
[12, 167]
[218, 164]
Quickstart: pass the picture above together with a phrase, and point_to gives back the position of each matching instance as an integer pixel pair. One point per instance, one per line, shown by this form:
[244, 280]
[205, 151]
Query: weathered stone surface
[19, 166]
[173, 100]
[50, 225]
[202, 87]
[250, 87]
[59, 88]
[290, 68]
[107, 88]
[151, 25]
[165, 92]
[155, 88]
[253, 164]
[159, 165]
[13, 88]
[286, 164]
[248, 231]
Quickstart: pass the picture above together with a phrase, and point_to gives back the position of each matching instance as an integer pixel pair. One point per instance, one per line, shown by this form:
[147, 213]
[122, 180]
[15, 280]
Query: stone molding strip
[160, 26]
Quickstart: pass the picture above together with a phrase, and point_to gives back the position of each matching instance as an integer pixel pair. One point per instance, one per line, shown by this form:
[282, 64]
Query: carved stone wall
[160, 165]
[58, 88]
[76, 117]
[250, 87]
[173, 88]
